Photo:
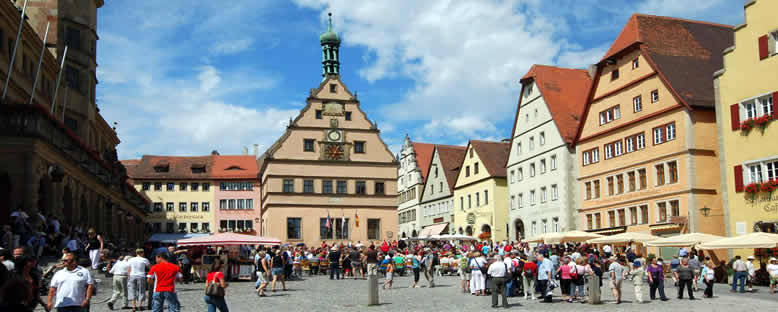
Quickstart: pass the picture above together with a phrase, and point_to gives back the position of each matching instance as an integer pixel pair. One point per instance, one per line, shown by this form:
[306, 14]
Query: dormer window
[234, 168]
[333, 88]
[348, 115]
[198, 168]
[162, 167]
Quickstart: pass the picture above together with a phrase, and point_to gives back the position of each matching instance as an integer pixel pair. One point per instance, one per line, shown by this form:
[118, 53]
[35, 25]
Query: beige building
[60, 161]
[332, 162]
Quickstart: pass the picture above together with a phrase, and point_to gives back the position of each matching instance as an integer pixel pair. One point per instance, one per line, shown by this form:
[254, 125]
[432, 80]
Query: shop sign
[471, 218]
[437, 220]
[767, 202]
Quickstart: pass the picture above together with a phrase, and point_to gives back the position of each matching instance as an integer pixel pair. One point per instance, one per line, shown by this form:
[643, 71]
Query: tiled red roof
[234, 167]
[178, 167]
[493, 155]
[423, 156]
[682, 51]
[451, 159]
[565, 92]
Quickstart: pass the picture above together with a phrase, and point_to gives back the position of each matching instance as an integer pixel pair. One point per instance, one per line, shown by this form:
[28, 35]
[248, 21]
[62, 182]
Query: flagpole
[13, 54]
[59, 76]
[40, 61]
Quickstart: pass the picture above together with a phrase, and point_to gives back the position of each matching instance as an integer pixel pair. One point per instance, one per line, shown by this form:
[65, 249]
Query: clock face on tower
[334, 152]
[333, 135]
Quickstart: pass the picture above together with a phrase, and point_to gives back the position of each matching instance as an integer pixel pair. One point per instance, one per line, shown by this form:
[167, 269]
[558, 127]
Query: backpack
[573, 272]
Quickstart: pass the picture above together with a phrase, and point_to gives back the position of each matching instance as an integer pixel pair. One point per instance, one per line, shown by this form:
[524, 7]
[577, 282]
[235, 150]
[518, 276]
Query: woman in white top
[477, 278]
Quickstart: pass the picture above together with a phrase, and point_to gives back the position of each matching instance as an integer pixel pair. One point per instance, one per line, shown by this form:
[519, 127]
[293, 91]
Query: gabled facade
[747, 91]
[480, 191]
[541, 166]
[236, 194]
[330, 162]
[437, 199]
[646, 132]
[414, 165]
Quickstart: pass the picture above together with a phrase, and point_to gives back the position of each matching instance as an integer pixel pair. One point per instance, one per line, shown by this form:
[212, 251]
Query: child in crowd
[389, 274]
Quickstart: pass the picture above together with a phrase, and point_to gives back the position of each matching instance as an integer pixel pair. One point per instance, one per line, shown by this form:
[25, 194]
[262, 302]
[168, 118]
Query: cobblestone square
[318, 293]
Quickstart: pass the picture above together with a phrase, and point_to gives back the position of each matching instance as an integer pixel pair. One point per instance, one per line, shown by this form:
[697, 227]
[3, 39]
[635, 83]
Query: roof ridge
[683, 20]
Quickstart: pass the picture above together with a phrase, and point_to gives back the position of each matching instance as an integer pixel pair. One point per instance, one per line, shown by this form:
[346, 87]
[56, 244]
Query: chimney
[245, 150]
[256, 150]
[592, 70]
[215, 153]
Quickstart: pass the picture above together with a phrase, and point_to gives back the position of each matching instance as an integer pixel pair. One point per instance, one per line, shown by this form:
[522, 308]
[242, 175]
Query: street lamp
[705, 211]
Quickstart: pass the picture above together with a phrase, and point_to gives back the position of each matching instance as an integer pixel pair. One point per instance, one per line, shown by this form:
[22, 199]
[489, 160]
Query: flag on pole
[356, 219]
[329, 224]
[343, 226]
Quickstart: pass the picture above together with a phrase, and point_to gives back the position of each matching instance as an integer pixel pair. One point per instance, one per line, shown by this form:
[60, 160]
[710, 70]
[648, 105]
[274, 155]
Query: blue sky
[187, 77]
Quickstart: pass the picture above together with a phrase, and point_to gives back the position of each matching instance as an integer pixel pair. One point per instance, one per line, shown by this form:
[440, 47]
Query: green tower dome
[329, 36]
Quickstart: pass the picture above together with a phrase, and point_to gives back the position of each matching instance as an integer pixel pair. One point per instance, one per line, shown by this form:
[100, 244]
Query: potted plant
[769, 186]
[747, 125]
[753, 188]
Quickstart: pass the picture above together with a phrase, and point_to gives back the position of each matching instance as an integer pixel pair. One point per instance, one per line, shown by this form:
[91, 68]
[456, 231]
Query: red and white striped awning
[229, 239]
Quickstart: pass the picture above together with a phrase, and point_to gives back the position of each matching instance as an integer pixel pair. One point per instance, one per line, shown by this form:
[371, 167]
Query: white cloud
[581, 58]
[231, 46]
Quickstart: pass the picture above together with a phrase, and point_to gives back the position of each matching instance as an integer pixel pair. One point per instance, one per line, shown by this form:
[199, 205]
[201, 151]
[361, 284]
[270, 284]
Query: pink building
[236, 196]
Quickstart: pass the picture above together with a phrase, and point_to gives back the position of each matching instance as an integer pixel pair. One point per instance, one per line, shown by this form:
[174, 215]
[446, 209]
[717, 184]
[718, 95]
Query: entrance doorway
[518, 227]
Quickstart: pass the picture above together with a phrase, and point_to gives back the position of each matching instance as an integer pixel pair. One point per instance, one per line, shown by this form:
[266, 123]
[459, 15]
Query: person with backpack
[498, 271]
[416, 266]
[529, 274]
[464, 271]
[478, 271]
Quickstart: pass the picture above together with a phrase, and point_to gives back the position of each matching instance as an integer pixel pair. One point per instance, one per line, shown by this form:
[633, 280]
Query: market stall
[238, 265]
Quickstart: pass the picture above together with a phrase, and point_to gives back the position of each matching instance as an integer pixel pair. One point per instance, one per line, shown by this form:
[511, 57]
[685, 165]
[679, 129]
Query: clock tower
[331, 161]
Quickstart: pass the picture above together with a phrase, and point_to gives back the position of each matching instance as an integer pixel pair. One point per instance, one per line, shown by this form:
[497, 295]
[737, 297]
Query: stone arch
[461, 231]
[469, 230]
[5, 197]
[403, 235]
[518, 229]
[485, 228]
[414, 234]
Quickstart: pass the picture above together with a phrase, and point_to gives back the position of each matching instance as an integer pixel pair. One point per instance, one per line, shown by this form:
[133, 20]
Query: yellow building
[481, 191]
[646, 137]
[747, 90]
[181, 191]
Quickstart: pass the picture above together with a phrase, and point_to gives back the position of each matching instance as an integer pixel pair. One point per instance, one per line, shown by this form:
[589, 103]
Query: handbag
[483, 269]
[214, 288]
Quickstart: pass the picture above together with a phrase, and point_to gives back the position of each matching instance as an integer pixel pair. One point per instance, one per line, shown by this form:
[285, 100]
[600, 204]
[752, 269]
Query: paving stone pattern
[319, 293]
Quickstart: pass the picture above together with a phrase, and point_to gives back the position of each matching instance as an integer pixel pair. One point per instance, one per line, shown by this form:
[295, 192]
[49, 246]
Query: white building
[437, 200]
[414, 163]
[541, 169]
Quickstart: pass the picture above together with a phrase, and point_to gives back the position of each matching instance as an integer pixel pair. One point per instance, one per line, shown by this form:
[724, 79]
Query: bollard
[594, 290]
[372, 295]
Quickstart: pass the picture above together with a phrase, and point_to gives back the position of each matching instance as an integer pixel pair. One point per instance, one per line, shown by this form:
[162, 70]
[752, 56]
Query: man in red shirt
[530, 274]
[163, 276]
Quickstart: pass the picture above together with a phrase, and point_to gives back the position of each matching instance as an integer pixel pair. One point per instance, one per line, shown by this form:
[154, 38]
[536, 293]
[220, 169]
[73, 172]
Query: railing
[34, 121]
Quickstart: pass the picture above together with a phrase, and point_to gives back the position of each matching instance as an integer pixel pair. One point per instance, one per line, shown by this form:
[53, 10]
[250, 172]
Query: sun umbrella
[546, 238]
[747, 241]
[229, 239]
[457, 237]
[683, 240]
[577, 236]
[628, 237]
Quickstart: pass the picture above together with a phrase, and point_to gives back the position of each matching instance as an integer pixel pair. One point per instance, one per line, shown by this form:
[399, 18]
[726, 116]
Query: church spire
[330, 44]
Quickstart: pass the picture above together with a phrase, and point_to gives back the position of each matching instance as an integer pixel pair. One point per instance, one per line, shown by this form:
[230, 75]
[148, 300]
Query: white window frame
[518, 148]
[513, 176]
[532, 170]
[608, 150]
[635, 64]
[771, 171]
[543, 194]
[554, 192]
[766, 105]
[595, 155]
[749, 109]
[617, 112]
[640, 141]
[754, 173]
[513, 202]
[531, 143]
[542, 166]
[542, 138]
[521, 200]
[532, 198]
[630, 144]
[637, 104]
[658, 137]
[553, 162]
[521, 174]
[654, 96]
[670, 133]
[586, 160]
[618, 148]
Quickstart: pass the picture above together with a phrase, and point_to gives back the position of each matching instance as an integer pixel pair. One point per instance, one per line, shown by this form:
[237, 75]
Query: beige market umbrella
[577, 236]
[683, 240]
[628, 237]
[546, 238]
[747, 241]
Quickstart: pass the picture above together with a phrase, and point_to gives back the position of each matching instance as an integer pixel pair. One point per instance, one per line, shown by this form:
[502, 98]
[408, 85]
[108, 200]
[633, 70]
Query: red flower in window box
[761, 121]
[769, 186]
[752, 188]
[747, 125]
